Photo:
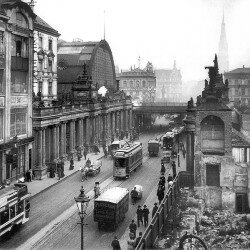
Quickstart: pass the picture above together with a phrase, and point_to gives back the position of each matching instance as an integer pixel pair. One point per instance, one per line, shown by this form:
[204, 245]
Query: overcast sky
[158, 31]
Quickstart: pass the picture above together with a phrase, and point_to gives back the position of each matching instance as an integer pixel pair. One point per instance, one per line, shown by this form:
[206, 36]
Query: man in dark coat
[85, 152]
[139, 213]
[115, 244]
[154, 209]
[133, 227]
[145, 215]
[160, 193]
[71, 167]
[163, 169]
[134, 195]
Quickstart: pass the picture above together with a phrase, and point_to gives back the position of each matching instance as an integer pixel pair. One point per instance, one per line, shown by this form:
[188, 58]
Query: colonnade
[64, 138]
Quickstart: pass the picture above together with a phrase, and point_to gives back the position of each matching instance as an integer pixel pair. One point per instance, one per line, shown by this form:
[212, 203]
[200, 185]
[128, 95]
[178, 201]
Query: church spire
[223, 49]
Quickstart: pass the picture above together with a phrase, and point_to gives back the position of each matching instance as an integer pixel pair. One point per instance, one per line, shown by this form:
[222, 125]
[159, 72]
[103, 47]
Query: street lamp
[82, 202]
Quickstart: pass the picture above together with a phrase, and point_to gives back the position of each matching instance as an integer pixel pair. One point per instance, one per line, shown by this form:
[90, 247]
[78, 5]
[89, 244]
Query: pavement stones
[37, 186]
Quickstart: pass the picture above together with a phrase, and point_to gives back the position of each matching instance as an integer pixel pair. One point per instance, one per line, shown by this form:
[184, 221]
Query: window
[50, 88]
[1, 124]
[124, 84]
[241, 203]
[131, 84]
[1, 42]
[50, 44]
[21, 159]
[40, 65]
[40, 42]
[143, 84]
[17, 121]
[238, 154]
[243, 92]
[40, 84]
[19, 46]
[137, 84]
[50, 66]
[212, 175]
[1, 80]
[4, 216]
[18, 82]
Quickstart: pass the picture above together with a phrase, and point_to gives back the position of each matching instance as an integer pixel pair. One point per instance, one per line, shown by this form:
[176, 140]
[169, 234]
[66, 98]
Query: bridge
[160, 108]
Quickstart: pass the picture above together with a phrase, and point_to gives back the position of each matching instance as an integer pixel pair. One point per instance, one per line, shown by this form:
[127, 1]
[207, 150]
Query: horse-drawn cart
[91, 169]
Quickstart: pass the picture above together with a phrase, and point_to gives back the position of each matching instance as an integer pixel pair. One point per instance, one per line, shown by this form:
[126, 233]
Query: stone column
[39, 148]
[130, 119]
[54, 142]
[43, 146]
[45, 88]
[62, 146]
[72, 137]
[57, 140]
[54, 88]
[88, 132]
[80, 133]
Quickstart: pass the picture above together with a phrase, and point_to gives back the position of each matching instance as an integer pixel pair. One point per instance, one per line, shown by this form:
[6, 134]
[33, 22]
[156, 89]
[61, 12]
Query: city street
[47, 206]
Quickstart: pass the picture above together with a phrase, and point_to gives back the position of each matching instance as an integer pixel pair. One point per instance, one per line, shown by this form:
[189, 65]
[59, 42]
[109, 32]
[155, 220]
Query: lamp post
[82, 202]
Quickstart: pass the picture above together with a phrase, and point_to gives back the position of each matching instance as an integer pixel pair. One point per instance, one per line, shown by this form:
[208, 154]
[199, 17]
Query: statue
[190, 103]
[198, 100]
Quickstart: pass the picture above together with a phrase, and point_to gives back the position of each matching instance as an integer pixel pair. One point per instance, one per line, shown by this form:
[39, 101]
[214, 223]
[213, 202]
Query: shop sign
[19, 100]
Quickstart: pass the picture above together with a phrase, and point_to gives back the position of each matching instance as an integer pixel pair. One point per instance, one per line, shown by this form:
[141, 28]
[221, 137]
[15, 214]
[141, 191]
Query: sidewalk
[152, 198]
[37, 186]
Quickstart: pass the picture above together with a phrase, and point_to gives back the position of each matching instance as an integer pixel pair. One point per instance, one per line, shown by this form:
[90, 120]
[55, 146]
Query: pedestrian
[138, 239]
[179, 161]
[163, 169]
[131, 242]
[145, 215]
[160, 194]
[154, 209]
[134, 195]
[97, 189]
[71, 167]
[115, 243]
[28, 176]
[59, 172]
[88, 162]
[105, 152]
[170, 178]
[162, 181]
[174, 169]
[79, 155]
[133, 227]
[139, 213]
[85, 152]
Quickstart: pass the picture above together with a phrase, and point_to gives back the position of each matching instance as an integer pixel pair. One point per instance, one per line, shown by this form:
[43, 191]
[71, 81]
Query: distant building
[97, 57]
[140, 84]
[168, 85]
[45, 61]
[239, 85]
[223, 59]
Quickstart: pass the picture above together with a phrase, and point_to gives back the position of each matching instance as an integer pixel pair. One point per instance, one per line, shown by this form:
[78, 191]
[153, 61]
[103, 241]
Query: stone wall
[233, 178]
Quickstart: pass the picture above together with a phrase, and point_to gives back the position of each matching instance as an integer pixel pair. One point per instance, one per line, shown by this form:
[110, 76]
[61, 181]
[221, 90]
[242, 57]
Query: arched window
[131, 84]
[124, 84]
[137, 84]
[212, 135]
[144, 84]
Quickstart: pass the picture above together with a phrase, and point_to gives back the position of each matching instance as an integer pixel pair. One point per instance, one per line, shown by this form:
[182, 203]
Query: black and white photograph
[124, 125]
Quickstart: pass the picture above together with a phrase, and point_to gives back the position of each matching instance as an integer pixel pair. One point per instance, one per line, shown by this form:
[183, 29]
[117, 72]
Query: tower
[223, 49]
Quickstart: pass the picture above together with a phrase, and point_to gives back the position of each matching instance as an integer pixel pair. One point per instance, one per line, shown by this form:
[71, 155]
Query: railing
[159, 220]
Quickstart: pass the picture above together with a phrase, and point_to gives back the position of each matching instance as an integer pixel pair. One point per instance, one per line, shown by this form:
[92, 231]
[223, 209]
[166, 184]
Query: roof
[39, 23]
[239, 140]
[153, 141]
[239, 71]
[136, 72]
[213, 105]
[113, 195]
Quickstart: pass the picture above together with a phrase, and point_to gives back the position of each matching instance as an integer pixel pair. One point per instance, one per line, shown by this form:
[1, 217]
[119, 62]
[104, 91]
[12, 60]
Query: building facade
[239, 86]
[217, 158]
[45, 62]
[138, 83]
[80, 117]
[168, 85]
[16, 69]
[223, 58]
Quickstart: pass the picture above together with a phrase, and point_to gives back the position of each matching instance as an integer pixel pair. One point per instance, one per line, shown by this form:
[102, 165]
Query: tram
[14, 207]
[168, 141]
[127, 159]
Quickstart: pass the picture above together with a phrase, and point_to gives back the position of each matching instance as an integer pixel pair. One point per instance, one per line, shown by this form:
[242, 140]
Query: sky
[158, 31]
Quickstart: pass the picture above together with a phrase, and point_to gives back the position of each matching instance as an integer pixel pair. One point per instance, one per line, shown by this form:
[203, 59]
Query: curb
[64, 178]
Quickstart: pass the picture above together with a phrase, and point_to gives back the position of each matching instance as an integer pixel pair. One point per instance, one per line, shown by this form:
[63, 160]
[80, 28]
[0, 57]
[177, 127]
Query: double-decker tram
[168, 141]
[127, 159]
[14, 207]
